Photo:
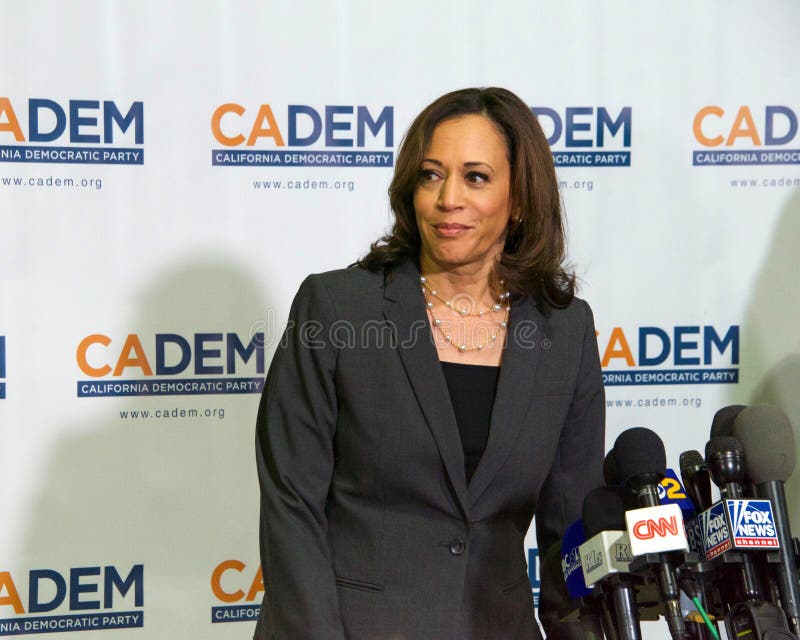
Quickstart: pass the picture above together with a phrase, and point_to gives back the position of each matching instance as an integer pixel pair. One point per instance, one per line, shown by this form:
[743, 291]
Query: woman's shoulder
[578, 306]
[575, 308]
[349, 290]
[346, 280]
[577, 314]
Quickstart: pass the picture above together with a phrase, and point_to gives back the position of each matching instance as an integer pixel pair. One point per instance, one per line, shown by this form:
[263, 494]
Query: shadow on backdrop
[770, 341]
[178, 495]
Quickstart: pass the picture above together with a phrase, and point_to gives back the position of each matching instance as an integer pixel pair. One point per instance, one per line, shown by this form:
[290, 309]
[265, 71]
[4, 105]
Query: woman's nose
[450, 194]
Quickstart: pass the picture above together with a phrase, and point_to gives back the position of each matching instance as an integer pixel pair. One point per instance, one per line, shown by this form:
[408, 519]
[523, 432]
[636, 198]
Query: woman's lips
[450, 229]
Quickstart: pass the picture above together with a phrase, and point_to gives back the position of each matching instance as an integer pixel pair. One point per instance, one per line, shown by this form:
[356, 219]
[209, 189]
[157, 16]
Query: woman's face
[462, 199]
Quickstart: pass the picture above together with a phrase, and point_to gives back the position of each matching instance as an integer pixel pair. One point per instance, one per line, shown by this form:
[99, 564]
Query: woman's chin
[457, 259]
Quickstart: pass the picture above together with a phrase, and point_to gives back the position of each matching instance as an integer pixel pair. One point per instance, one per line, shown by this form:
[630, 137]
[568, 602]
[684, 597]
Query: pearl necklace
[497, 306]
[502, 325]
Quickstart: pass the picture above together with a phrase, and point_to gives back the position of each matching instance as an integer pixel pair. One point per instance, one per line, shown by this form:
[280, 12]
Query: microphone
[767, 436]
[722, 424]
[696, 479]
[744, 525]
[605, 557]
[591, 623]
[726, 462]
[571, 560]
[642, 462]
[610, 472]
[697, 484]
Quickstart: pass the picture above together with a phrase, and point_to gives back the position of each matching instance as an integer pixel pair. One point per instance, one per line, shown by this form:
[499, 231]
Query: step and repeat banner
[171, 171]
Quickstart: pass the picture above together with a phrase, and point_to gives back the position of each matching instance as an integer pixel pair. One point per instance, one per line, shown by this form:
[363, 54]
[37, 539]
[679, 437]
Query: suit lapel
[527, 327]
[404, 307]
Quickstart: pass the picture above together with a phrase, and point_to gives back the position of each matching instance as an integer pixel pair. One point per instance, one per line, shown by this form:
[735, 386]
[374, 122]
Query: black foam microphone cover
[639, 455]
[722, 424]
[642, 463]
[604, 510]
[768, 439]
[610, 471]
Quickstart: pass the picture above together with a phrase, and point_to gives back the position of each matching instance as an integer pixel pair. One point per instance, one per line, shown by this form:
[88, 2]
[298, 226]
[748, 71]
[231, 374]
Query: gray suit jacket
[368, 527]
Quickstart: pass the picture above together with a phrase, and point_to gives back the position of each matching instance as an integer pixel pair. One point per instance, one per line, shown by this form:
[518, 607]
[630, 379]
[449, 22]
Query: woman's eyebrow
[472, 163]
[476, 163]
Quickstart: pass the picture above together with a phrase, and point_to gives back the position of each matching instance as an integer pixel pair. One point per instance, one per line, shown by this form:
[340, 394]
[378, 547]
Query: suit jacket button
[457, 547]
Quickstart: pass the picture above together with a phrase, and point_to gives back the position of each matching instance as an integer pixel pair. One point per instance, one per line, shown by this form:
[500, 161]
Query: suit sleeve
[577, 469]
[294, 455]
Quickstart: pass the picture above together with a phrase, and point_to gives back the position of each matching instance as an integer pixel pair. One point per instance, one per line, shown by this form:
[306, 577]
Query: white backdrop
[165, 273]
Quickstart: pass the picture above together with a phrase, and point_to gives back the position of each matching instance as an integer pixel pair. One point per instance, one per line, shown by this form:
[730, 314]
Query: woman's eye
[477, 178]
[427, 175]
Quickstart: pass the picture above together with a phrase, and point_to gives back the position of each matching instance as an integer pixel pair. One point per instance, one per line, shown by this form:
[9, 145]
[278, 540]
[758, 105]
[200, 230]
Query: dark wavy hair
[533, 258]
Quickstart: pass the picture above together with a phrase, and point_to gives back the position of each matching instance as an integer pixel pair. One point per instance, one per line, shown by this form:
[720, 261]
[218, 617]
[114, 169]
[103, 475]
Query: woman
[428, 401]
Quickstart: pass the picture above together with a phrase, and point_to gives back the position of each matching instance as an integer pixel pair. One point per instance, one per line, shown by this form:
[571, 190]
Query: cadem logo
[2, 367]
[588, 136]
[534, 576]
[651, 355]
[206, 363]
[234, 586]
[79, 599]
[302, 135]
[745, 135]
[71, 131]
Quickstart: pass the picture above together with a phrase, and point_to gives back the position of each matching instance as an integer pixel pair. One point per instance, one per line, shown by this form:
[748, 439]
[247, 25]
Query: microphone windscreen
[768, 440]
[639, 451]
[722, 424]
[610, 472]
[721, 444]
[603, 510]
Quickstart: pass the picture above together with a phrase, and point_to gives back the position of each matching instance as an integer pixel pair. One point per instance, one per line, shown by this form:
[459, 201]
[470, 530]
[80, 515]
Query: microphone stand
[751, 619]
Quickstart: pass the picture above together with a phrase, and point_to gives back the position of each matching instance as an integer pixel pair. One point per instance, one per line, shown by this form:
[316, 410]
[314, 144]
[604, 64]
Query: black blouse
[472, 389]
